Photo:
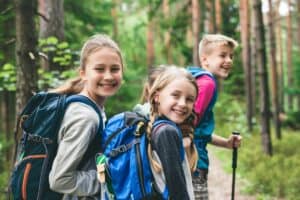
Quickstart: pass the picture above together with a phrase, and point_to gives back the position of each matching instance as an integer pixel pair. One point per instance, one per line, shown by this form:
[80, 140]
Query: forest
[41, 40]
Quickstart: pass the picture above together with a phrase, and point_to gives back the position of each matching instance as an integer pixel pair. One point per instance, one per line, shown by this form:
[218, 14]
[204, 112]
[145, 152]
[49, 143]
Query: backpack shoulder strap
[197, 72]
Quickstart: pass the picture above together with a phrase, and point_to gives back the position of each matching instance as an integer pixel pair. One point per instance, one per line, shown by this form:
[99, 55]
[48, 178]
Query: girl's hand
[234, 141]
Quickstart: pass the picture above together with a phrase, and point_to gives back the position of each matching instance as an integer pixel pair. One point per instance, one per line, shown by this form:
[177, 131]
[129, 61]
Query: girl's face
[102, 75]
[176, 100]
[219, 61]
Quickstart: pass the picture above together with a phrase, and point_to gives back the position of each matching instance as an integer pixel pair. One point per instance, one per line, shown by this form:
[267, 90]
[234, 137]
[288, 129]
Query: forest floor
[220, 182]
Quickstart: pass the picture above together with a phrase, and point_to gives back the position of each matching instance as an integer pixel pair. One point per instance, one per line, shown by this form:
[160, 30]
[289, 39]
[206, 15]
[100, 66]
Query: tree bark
[26, 53]
[273, 66]
[263, 77]
[167, 36]
[253, 64]
[209, 17]
[298, 39]
[195, 28]
[51, 24]
[218, 10]
[150, 44]
[246, 55]
[114, 14]
[289, 44]
[280, 71]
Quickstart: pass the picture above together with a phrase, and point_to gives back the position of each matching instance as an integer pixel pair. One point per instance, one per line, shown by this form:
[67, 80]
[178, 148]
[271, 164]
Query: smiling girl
[171, 98]
[73, 171]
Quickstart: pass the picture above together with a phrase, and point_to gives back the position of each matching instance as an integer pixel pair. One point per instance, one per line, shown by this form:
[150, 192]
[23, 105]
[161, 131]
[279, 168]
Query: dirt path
[220, 182]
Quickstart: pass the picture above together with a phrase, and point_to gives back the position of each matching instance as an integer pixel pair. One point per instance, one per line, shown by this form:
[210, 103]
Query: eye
[99, 69]
[176, 95]
[115, 69]
[190, 99]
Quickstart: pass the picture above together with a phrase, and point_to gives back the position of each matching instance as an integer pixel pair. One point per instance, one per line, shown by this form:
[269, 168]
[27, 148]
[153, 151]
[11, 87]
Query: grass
[268, 177]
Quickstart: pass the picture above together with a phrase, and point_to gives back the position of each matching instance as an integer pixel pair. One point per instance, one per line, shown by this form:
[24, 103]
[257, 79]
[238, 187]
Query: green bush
[267, 177]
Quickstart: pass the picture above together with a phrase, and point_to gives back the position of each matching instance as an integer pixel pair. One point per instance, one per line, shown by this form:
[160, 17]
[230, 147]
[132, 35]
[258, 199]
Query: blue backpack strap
[198, 71]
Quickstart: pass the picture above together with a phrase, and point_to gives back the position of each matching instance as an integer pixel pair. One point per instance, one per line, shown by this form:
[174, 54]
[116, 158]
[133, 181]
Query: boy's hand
[234, 141]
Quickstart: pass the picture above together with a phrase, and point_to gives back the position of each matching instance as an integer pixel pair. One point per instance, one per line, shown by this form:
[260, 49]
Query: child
[216, 56]
[187, 129]
[101, 72]
[171, 97]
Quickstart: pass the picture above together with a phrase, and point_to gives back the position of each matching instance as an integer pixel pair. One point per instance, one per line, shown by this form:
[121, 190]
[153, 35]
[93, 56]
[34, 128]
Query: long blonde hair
[165, 78]
[94, 43]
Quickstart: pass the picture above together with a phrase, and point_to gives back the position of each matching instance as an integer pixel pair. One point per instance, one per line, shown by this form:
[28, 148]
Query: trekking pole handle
[234, 152]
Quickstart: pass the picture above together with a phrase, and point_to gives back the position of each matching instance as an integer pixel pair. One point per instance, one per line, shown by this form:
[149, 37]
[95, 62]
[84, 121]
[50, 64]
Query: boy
[216, 58]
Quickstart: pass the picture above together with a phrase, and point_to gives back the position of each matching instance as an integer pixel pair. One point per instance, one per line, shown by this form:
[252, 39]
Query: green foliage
[53, 79]
[276, 175]
[292, 120]
[83, 20]
[4, 167]
[8, 77]
[235, 82]
[233, 116]
[267, 177]
[60, 52]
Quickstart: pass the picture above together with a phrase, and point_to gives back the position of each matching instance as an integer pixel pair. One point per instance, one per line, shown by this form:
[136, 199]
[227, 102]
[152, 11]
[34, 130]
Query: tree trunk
[114, 14]
[150, 44]
[263, 77]
[51, 24]
[26, 53]
[298, 39]
[290, 80]
[209, 17]
[273, 66]
[246, 55]
[167, 36]
[218, 10]
[253, 64]
[278, 28]
[195, 28]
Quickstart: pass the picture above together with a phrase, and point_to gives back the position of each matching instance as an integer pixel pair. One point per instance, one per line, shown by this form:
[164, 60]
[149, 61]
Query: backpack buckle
[138, 129]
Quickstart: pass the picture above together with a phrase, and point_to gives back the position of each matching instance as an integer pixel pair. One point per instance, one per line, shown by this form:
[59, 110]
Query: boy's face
[218, 61]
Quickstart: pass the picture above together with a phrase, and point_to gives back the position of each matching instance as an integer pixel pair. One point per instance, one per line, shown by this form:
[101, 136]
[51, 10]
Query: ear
[82, 74]
[156, 97]
[203, 60]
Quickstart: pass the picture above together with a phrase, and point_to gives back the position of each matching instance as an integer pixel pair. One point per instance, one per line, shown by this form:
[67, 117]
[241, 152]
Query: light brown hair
[210, 41]
[94, 43]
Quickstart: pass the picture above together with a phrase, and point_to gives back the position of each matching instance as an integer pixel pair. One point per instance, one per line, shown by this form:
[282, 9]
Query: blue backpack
[40, 121]
[127, 169]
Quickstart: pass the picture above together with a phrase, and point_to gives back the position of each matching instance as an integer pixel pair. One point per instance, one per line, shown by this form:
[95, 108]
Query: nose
[228, 59]
[107, 74]
[182, 101]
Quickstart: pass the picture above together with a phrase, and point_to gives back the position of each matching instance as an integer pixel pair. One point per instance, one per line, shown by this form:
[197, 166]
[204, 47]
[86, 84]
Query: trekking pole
[234, 165]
